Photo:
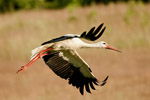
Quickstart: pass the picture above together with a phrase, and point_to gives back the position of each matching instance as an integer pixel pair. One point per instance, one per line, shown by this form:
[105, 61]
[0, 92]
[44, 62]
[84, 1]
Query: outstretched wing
[93, 34]
[65, 37]
[68, 65]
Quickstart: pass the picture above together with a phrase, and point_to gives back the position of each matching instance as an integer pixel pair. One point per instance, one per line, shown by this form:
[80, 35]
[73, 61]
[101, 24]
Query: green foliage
[128, 17]
[13, 5]
[72, 6]
[85, 2]
[140, 13]
[92, 14]
[56, 3]
[144, 15]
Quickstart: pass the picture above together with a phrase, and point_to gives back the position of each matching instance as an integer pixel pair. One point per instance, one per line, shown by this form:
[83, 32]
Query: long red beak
[109, 47]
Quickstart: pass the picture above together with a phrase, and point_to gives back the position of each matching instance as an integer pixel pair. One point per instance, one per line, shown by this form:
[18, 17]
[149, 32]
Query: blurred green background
[13, 5]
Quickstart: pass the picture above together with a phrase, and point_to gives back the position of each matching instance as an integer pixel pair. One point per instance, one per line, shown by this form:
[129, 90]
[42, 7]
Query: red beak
[109, 47]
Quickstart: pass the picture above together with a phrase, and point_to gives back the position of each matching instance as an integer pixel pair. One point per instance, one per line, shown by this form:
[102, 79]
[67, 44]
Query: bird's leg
[41, 52]
[39, 55]
[27, 65]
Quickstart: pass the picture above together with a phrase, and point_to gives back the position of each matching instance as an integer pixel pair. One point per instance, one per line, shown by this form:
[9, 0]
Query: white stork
[61, 56]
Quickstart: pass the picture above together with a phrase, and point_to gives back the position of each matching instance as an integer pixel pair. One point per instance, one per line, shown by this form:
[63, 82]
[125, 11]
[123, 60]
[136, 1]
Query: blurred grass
[22, 31]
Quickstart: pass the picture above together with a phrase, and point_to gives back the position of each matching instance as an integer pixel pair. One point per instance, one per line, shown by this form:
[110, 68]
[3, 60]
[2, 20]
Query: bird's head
[103, 44]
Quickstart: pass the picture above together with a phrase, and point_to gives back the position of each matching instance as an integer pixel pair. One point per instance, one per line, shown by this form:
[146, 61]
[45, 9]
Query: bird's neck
[94, 45]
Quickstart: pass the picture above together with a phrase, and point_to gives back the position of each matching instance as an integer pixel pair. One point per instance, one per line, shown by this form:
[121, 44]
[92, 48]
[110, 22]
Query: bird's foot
[28, 64]
[40, 55]
[22, 69]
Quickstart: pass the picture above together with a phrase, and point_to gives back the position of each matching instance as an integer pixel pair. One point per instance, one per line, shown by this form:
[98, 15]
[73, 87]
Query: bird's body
[61, 56]
[66, 49]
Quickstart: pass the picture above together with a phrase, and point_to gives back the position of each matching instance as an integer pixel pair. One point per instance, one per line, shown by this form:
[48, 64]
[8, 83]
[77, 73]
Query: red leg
[40, 55]
[27, 65]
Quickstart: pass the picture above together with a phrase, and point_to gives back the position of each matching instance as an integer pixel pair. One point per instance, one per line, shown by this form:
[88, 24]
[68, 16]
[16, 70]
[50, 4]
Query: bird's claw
[40, 55]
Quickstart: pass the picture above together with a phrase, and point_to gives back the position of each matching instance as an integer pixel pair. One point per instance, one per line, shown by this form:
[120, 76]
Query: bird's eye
[104, 43]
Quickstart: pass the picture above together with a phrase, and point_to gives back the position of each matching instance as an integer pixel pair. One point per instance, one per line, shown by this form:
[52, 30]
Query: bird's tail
[36, 51]
[39, 49]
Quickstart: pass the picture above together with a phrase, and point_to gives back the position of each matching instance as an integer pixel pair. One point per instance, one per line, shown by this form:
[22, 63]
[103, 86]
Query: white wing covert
[68, 65]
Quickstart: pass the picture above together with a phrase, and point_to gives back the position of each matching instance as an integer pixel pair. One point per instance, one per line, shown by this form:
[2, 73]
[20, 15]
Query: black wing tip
[101, 24]
[87, 88]
[93, 34]
[90, 85]
[96, 82]
[104, 28]
[93, 28]
[104, 81]
[82, 90]
[83, 34]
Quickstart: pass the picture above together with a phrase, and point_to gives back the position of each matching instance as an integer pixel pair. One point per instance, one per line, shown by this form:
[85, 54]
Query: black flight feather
[66, 70]
[93, 35]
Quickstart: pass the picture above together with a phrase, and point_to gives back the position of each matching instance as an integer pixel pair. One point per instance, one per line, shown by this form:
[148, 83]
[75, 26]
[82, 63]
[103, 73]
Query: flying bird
[62, 58]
